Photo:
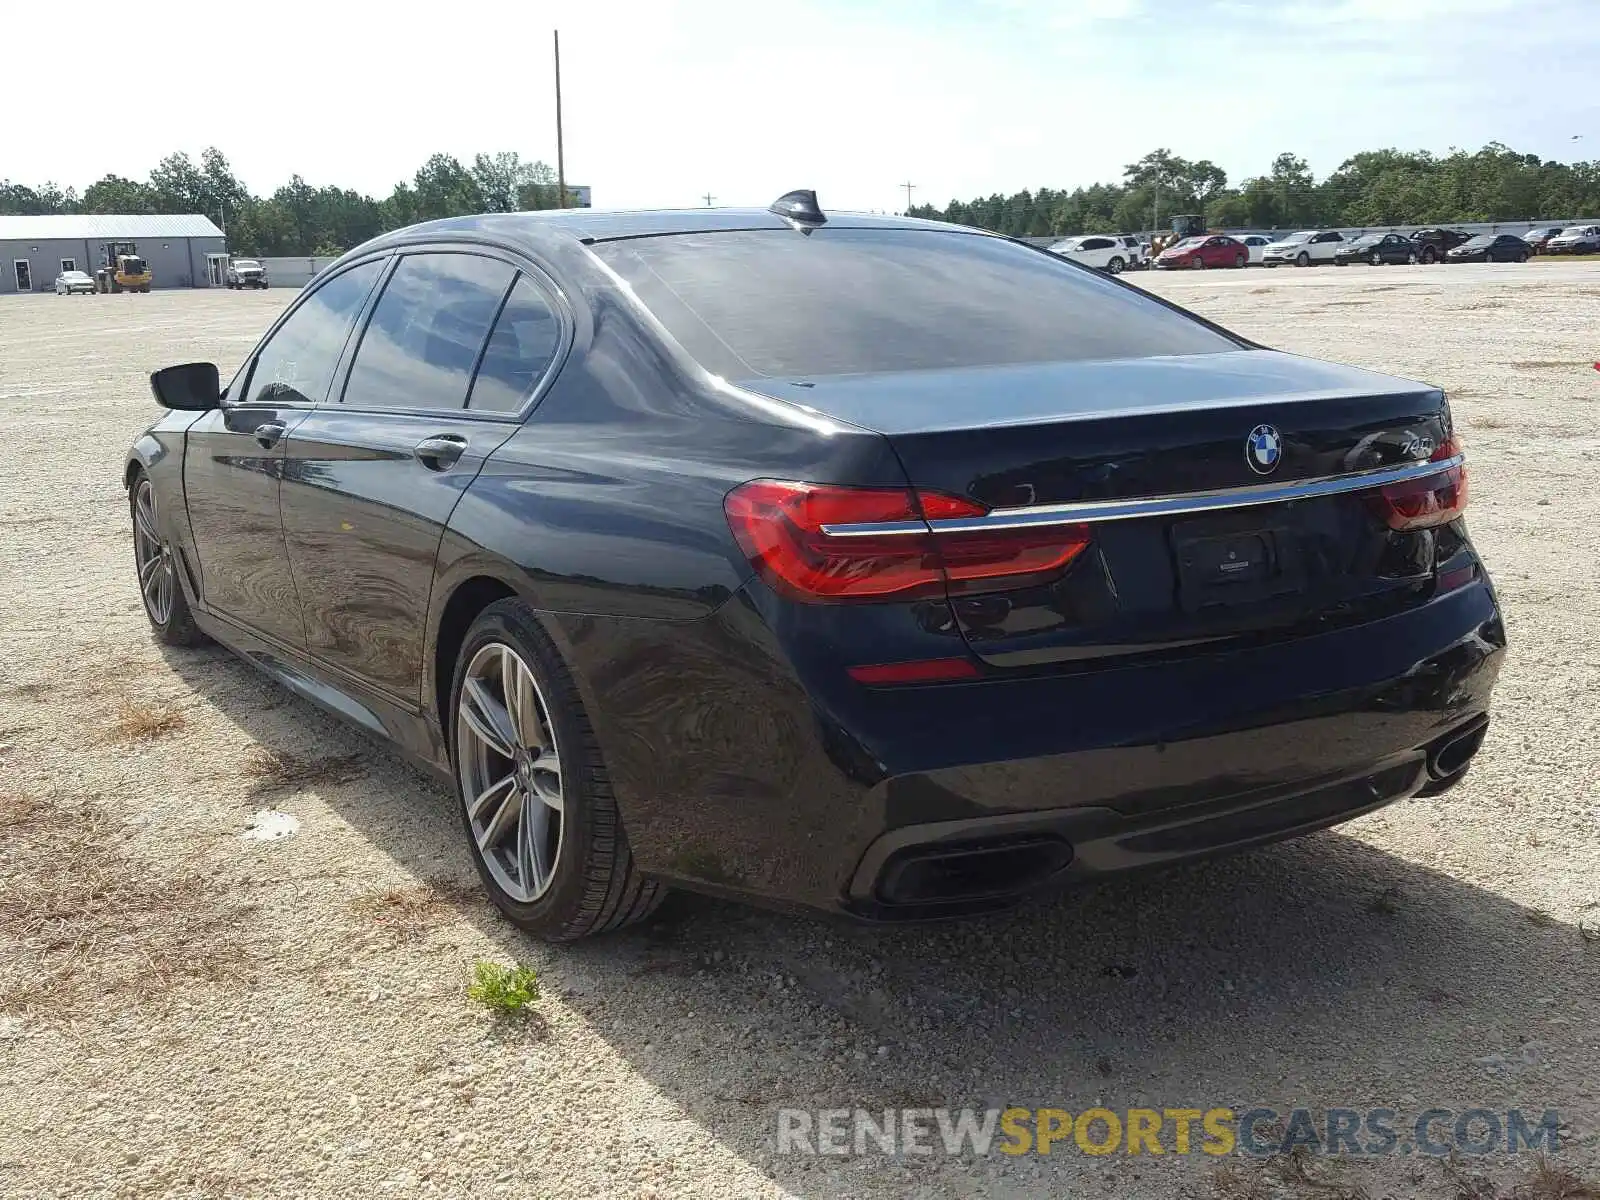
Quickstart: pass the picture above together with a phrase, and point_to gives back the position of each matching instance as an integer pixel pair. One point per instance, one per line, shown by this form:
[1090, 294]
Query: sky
[668, 100]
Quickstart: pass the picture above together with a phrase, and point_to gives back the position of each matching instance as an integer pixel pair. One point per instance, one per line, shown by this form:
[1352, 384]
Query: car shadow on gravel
[1320, 972]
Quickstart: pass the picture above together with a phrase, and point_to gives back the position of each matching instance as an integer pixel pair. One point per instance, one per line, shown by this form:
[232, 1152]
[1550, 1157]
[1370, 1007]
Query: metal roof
[99, 226]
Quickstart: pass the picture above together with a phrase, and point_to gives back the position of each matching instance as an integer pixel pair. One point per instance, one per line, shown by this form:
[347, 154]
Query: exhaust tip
[1451, 755]
[971, 871]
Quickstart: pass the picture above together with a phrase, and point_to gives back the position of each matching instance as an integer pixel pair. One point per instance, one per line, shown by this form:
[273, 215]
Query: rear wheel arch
[467, 600]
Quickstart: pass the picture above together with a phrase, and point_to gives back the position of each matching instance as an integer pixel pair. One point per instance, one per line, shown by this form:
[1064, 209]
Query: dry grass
[81, 921]
[142, 721]
[1486, 422]
[406, 913]
[271, 770]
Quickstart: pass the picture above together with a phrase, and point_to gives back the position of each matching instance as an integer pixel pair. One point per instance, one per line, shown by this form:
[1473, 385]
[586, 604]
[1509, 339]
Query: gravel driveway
[187, 1012]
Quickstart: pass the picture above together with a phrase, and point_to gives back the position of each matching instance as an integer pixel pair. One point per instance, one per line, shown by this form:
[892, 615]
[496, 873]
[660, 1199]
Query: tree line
[1371, 189]
[298, 219]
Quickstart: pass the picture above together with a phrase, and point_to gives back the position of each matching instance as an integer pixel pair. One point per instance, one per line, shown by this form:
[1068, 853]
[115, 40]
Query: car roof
[600, 225]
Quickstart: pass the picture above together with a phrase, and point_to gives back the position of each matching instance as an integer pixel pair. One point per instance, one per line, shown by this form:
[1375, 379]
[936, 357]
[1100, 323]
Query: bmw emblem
[1263, 449]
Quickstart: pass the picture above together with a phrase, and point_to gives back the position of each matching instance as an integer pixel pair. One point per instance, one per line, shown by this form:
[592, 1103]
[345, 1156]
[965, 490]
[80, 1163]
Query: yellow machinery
[122, 270]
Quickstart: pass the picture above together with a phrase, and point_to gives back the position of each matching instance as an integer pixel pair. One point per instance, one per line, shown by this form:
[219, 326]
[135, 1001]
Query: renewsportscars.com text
[1212, 1131]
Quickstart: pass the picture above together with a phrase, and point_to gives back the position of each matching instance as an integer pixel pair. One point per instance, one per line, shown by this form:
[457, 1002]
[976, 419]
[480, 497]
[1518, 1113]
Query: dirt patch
[278, 770]
[140, 721]
[82, 924]
[407, 913]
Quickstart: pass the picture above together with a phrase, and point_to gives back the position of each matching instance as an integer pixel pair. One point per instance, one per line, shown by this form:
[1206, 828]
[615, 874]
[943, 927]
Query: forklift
[122, 270]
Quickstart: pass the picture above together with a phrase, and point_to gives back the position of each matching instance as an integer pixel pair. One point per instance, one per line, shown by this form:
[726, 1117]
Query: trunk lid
[1034, 436]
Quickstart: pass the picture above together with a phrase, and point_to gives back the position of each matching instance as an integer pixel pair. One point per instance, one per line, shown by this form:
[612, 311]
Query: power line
[708, 199]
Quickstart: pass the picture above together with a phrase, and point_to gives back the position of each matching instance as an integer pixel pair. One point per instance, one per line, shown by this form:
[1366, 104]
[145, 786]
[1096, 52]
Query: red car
[1218, 250]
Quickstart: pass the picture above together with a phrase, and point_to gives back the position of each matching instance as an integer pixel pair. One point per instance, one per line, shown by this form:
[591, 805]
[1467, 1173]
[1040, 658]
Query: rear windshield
[756, 303]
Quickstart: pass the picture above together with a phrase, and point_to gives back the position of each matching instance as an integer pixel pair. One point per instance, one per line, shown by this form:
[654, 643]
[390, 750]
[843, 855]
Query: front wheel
[542, 823]
[1239, 260]
[1522, 256]
[157, 564]
[1115, 266]
[1198, 263]
[1302, 259]
[1429, 257]
[1411, 259]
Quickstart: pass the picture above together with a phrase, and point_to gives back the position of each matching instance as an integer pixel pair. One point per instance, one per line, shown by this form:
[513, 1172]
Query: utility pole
[709, 198]
[908, 187]
[561, 157]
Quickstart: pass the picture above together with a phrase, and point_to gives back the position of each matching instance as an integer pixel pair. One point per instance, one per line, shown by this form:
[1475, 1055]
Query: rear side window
[297, 363]
[748, 304]
[426, 332]
[524, 342]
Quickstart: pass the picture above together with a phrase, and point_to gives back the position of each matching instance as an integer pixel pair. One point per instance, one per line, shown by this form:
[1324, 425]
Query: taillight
[784, 529]
[1432, 500]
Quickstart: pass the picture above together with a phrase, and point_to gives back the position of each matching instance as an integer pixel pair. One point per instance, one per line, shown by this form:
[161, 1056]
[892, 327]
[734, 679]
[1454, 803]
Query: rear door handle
[268, 433]
[441, 452]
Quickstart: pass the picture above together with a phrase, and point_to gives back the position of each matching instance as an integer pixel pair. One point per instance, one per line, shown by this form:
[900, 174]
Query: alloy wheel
[153, 557]
[510, 771]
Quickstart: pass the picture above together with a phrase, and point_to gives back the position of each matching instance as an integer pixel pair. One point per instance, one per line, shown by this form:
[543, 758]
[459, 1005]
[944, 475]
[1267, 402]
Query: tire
[1115, 266]
[1197, 263]
[1376, 259]
[1429, 256]
[1239, 261]
[166, 607]
[1339, 262]
[1411, 258]
[1522, 256]
[1302, 259]
[591, 885]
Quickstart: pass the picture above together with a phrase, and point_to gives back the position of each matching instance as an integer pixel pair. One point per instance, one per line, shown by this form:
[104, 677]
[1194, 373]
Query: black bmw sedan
[853, 562]
[1377, 249]
[1490, 247]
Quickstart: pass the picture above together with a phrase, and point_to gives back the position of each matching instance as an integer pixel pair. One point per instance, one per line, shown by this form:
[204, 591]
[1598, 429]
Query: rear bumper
[739, 773]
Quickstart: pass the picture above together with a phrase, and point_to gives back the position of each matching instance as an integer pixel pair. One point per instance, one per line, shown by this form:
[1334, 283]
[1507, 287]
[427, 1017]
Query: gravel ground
[187, 1012]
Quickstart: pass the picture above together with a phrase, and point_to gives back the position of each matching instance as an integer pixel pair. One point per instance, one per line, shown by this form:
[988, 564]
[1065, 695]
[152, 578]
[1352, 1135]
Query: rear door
[233, 465]
[442, 374]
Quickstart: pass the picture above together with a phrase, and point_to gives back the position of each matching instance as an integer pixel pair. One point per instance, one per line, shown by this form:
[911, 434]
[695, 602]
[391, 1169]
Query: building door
[24, 275]
[216, 269]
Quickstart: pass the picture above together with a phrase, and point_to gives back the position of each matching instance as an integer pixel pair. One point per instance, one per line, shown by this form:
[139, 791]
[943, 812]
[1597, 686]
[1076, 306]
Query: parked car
[1377, 248]
[1255, 244]
[1304, 248]
[1491, 247]
[1216, 250]
[1578, 239]
[1537, 238]
[1100, 251]
[1138, 249]
[849, 561]
[1434, 244]
[70, 282]
[246, 273]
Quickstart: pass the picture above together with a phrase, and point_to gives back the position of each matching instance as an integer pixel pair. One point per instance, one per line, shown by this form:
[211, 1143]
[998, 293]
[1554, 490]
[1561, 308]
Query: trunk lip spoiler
[1183, 504]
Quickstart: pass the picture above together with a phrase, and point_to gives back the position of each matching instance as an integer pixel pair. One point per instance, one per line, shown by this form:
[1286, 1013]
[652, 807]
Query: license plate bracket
[1234, 559]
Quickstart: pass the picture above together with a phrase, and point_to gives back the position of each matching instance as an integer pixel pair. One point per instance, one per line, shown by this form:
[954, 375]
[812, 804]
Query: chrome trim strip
[1156, 506]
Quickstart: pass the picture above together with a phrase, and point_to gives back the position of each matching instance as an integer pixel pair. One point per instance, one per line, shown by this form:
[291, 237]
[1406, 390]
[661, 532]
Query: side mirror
[193, 387]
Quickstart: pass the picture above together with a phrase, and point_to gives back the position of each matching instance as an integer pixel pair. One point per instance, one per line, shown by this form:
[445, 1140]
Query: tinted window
[520, 350]
[419, 349]
[841, 301]
[1095, 243]
[296, 365]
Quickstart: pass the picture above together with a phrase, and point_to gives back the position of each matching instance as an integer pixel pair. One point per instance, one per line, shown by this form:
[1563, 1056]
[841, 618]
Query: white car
[1580, 239]
[1098, 250]
[1303, 248]
[1138, 249]
[74, 281]
[1256, 243]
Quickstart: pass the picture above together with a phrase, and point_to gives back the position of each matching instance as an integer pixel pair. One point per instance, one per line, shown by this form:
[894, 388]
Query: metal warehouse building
[183, 251]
